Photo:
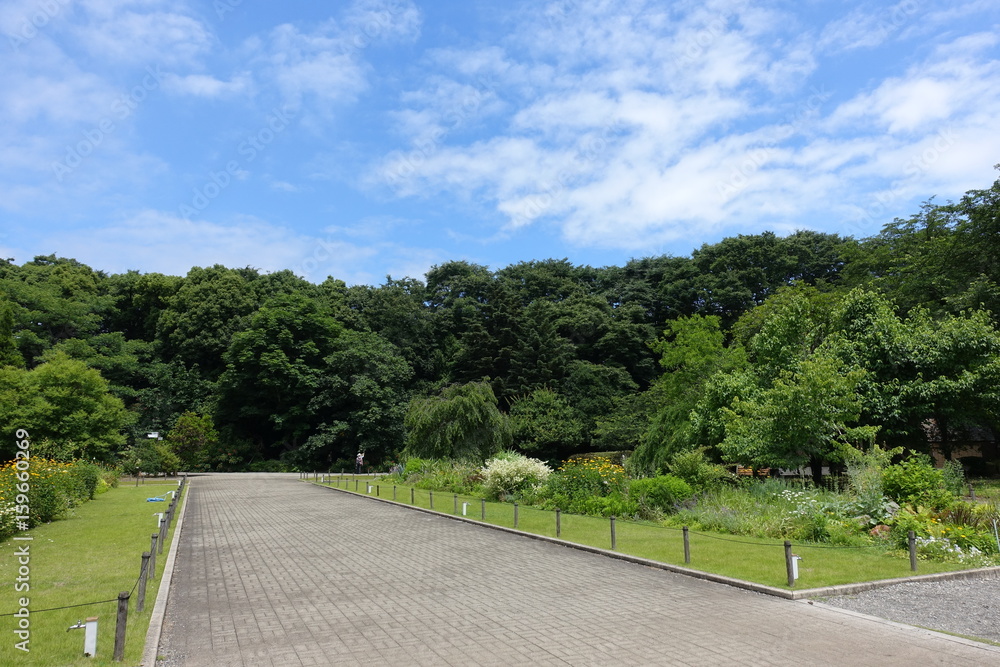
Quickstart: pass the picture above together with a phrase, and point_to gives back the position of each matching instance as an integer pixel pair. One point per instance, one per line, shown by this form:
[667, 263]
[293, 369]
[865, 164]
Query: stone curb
[802, 594]
[160, 607]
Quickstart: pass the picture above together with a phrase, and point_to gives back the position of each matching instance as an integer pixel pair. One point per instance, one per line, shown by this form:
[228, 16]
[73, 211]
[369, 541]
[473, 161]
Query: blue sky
[360, 139]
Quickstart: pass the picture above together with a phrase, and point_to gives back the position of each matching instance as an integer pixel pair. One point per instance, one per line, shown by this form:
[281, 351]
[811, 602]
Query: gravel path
[969, 607]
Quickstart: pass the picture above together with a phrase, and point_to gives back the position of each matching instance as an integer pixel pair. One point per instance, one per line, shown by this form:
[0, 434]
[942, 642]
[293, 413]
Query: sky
[369, 138]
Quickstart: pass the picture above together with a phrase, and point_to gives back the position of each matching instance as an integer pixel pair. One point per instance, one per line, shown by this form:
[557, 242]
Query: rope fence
[642, 539]
[147, 572]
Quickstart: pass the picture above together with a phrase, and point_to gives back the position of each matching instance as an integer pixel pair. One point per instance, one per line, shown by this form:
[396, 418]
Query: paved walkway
[273, 571]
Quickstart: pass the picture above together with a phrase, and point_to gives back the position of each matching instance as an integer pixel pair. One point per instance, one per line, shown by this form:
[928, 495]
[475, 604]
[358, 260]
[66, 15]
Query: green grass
[91, 555]
[987, 490]
[751, 559]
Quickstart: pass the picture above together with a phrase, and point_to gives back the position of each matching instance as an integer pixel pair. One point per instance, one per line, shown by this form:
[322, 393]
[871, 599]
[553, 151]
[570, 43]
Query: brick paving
[272, 571]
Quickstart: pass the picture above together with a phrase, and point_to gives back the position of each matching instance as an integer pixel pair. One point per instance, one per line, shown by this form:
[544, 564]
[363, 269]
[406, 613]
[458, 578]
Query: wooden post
[912, 539]
[143, 574]
[687, 546]
[614, 539]
[482, 502]
[515, 515]
[972, 493]
[121, 623]
[393, 491]
[355, 483]
[456, 505]
[411, 496]
[163, 536]
[558, 522]
[789, 566]
[430, 494]
[152, 554]
[377, 491]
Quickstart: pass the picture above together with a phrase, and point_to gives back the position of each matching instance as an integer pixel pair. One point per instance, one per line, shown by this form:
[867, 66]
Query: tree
[359, 404]
[691, 352]
[273, 370]
[191, 439]
[10, 355]
[545, 426]
[462, 422]
[798, 420]
[66, 403]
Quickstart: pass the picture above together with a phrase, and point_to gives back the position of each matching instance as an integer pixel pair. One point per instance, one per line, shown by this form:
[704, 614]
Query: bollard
[482, 502]
[515, 515]
[355, 483]
[789, 564]
[120, 626]
[455, 511]
[411, 497]
[430, 494]
[393, 491]
[558, 522]
[377, 491]
[163, 536]
[687, 546]
[143, 574]
[152, 554]
[972, 493]
[912, 539]
[614, 541]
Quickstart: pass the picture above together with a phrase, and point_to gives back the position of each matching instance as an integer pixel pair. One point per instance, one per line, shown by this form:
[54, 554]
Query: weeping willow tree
[462, 422]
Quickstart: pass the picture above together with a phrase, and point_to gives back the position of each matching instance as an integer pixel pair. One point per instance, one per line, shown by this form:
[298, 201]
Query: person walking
[358, 462]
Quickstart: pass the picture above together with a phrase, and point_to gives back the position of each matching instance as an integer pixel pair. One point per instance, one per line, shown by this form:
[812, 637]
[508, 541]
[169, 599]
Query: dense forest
[760, 349]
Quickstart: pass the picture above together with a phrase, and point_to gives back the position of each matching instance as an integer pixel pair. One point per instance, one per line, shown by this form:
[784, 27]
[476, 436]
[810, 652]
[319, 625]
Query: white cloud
[206, 85]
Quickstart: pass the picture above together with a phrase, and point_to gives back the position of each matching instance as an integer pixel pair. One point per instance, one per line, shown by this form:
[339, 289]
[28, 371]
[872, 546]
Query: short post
[377, 490]
[411, 497]
[163, 536]
[912, 539]
[152, 554]
[614, 540]
[558, 522]
[121, 623]
[356, 483]
[455, 511]
[430, 495]
[393, 491]
[90, 637]
[515, 515]
[140, 604]
[789, 565]
[972, 493]
[482, 504]
[687, 546]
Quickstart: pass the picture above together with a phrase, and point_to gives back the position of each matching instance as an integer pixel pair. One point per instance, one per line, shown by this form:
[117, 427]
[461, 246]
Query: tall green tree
[64, 402]
[462, 422]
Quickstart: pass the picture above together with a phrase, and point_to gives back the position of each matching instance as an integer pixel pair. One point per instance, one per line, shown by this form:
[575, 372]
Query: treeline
[761, 349]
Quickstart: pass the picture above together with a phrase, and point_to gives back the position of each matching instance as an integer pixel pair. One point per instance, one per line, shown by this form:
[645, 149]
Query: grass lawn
[92, 555]
[758, 560]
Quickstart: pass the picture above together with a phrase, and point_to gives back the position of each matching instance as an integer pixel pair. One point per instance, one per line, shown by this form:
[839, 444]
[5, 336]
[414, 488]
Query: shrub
[915, 481]
[509, 474]
[660, 493]
[953, 476]
[694, 468]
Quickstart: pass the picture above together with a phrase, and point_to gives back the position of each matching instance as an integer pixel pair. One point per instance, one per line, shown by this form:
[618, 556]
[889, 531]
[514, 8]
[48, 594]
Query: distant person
[358, 462]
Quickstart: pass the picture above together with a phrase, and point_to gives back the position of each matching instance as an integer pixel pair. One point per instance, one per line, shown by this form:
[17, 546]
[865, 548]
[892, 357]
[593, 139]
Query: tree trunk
[816, 465]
